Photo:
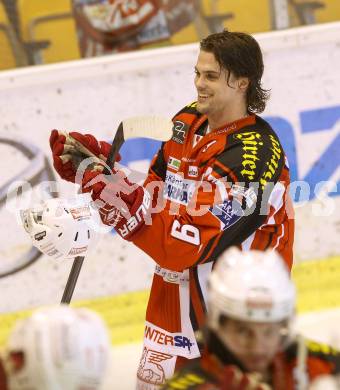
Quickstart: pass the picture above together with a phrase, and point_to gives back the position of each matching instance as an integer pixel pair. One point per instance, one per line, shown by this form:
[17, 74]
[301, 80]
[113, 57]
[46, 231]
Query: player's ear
[243, 83]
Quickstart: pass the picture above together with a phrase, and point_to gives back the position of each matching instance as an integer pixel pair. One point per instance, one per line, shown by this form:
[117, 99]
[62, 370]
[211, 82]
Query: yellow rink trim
[124, 315]
[318, 284]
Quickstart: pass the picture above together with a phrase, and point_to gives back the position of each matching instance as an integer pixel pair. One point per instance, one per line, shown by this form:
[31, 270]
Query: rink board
[317, 283]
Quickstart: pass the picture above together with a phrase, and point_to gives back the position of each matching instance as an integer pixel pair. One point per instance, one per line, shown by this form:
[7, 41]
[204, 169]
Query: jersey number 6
[187, 233]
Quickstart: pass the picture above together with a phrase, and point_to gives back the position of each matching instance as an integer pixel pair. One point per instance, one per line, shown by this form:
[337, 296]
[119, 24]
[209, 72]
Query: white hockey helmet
[63, 228]
[59, 348]
[250, 286]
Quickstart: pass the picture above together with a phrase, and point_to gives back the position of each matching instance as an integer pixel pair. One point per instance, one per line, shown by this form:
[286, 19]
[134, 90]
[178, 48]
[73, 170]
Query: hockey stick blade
[153, 127]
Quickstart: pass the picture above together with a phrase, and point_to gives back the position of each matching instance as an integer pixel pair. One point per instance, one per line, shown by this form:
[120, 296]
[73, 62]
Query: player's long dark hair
[240, 54]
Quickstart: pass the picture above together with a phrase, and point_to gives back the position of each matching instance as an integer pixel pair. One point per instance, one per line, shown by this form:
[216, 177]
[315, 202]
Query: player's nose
[199, 83]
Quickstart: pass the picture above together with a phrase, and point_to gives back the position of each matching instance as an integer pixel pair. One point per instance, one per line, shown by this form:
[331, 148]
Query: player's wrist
[129, 225]
[122, 205]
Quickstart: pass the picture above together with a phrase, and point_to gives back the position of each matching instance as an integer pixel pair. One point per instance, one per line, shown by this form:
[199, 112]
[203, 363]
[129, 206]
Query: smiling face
[254, 343]
[222, 100]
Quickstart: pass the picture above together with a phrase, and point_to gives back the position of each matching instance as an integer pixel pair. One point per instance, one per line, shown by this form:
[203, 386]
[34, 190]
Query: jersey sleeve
[322, 359]
[157, 168]
[227, 206]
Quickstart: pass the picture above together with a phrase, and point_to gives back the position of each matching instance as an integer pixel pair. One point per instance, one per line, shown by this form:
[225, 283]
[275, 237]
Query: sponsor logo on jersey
[188, 160]
[174, 163]
[196, 139]
[179, 132]
[237, 191]
[221, 183]
[208, 145]
[168, 275]
[153, 368]
[228, 212]
[178, 189]
[240, 193]
[251, 141]
[193, 171]
[226, 129]
[171, 339]
[273, 163]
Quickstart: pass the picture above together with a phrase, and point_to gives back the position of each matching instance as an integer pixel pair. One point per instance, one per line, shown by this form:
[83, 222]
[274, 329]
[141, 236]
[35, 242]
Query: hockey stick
[153, 127]
[301, 369]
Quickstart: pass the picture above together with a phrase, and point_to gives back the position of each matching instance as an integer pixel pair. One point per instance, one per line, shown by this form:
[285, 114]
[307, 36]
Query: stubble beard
[202, 108]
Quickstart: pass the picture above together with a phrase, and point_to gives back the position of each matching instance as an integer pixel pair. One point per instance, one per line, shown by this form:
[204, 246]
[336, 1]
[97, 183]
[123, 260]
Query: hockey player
[251, 303]
[223, 180]
[58, 348]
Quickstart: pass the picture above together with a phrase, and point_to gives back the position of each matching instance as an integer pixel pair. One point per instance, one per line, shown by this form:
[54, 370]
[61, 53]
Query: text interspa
[167, 339]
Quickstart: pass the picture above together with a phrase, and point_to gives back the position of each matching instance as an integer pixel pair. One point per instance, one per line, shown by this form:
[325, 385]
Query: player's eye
[243, 331]
[212, 76]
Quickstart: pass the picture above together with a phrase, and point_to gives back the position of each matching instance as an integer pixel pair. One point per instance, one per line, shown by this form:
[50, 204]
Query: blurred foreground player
[251, 302]
[58, 348]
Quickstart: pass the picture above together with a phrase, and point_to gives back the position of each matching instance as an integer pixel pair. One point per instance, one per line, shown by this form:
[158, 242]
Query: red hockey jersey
[219, 188]
[208, 373]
